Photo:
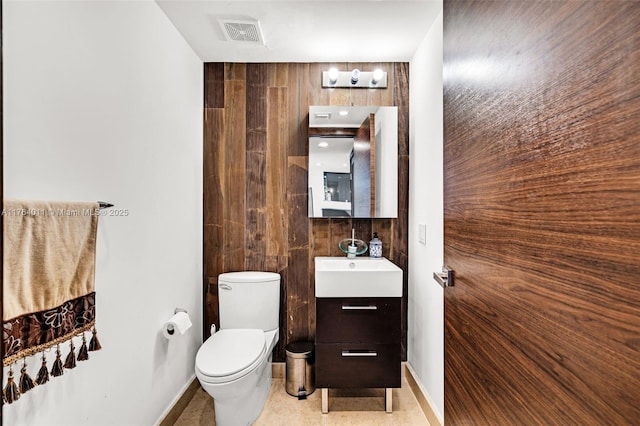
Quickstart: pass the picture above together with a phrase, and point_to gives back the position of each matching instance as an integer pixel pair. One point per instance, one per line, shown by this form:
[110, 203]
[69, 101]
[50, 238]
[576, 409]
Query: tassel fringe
[57, 369]
[10, 393]
[43, 373]
[83, 353]
[70, 362]
[26, 382]
[94, 343]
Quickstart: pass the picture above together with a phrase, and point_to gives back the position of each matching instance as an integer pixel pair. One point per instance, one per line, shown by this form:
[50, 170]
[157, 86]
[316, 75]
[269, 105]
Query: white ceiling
[307, 30]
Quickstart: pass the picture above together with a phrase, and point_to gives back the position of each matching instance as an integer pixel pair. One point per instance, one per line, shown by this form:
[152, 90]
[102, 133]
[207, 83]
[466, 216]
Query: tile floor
[346, 407]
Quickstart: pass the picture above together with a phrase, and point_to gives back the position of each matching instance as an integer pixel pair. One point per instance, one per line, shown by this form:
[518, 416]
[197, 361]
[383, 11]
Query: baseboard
[424, 401]
[170, 416]
[278, 370]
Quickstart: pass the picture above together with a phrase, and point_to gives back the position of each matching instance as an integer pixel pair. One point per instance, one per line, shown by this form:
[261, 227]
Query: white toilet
[234, 365]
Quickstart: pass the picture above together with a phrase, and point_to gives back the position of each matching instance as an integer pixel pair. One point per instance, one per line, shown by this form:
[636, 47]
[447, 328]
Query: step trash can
[300, 370]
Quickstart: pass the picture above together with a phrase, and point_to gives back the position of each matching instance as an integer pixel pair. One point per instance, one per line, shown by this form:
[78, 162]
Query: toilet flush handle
[225, 286]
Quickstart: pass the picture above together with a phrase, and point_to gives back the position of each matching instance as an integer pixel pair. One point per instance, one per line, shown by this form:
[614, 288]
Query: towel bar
[104, 205]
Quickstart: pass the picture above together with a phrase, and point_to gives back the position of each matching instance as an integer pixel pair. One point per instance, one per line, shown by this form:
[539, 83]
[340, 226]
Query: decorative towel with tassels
[49, 294]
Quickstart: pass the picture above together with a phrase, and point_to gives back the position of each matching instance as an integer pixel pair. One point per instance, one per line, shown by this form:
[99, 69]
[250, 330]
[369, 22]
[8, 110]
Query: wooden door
[363, 169]
[542, 212]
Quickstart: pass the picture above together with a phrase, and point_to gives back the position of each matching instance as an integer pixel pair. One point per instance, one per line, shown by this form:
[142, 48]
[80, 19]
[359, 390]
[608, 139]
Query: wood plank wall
[255, 182]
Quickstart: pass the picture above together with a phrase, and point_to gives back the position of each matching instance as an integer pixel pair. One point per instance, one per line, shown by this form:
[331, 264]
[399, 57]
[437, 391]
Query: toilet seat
[230, 354]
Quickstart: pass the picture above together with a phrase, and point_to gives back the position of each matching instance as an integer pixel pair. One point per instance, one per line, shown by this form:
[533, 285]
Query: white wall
[426, 327]
[386, 157]
[103, 101]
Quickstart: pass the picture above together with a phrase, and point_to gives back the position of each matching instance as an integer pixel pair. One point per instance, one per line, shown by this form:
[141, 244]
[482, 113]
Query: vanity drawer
[358, 319]
[357, 365]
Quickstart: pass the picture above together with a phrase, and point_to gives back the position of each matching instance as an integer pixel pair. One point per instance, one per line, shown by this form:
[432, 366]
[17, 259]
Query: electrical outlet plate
[422, 233]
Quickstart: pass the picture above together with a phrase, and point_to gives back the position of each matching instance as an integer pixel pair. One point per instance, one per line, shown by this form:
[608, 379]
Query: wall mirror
[353, 161]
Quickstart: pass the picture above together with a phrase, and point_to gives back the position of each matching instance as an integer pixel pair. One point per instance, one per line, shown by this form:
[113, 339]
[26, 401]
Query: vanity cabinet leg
[388, 399]
[325, 400]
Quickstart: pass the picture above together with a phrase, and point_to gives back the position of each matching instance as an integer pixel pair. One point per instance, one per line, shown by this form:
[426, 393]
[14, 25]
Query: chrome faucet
[352, 248]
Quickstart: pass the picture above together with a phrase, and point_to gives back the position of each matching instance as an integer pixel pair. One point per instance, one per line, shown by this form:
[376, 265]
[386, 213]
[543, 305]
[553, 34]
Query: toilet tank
[249, 300]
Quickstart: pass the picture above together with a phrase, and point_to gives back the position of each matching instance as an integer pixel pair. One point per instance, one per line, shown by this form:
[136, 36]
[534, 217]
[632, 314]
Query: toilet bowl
[234, 365]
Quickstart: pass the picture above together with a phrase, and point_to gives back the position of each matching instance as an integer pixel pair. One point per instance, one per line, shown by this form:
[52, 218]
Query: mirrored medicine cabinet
[353, 161]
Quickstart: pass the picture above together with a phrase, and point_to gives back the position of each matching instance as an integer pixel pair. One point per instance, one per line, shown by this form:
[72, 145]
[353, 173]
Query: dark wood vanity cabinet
[358, 342]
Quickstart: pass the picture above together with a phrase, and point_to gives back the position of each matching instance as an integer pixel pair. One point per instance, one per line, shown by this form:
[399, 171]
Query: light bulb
[377, 76]
[333, 75]
[355, 76]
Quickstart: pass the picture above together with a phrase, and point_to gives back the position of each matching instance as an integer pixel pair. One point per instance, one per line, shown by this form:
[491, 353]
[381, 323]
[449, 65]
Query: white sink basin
[359, 277]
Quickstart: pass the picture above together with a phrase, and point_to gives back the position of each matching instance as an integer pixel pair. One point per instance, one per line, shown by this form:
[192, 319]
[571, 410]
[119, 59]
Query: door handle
[444, 278]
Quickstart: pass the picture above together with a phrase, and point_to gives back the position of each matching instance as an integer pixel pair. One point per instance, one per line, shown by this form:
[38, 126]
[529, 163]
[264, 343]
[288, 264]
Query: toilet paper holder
[170, 328]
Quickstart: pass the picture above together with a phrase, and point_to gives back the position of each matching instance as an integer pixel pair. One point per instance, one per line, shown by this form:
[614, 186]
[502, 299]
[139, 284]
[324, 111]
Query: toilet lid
[230, 351]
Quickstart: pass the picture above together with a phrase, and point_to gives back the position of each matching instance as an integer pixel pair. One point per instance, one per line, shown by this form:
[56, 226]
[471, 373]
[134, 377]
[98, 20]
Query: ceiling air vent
[246, 31]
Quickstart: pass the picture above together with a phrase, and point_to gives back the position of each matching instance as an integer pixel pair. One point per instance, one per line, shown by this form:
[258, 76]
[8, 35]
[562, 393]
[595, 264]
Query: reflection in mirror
[337, 187]
[353, 156]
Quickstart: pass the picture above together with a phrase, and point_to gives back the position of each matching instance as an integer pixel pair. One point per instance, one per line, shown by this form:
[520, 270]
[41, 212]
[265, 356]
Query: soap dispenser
[375, 247]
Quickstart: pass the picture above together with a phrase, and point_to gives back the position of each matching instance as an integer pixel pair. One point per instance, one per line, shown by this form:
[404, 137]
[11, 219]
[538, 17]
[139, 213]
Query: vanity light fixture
[355, 78]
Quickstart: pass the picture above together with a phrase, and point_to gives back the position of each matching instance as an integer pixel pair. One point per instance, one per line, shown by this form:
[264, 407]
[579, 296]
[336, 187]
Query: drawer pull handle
[368, 353]
[359, 308]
